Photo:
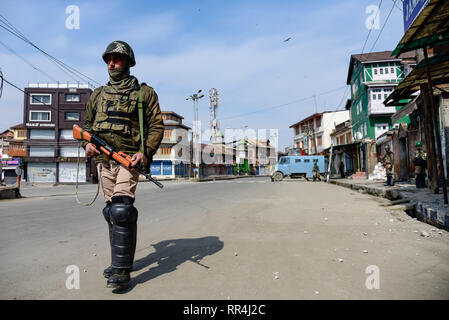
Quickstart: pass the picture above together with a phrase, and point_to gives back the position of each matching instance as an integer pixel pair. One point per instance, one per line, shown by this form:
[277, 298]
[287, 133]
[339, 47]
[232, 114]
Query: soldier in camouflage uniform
[420, 162]
[387, 161]
[316, 172]
[112, 115]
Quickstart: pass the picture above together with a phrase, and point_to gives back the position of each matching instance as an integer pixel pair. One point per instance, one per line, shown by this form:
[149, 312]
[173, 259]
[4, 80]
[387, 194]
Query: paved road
[237, 239]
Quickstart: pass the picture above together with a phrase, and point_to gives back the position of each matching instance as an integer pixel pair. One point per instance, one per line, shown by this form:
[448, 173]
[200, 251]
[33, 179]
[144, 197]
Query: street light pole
[195, 97]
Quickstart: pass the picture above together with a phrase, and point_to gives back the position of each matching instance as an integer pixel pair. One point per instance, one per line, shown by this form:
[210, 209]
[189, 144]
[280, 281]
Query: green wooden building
[372, 77]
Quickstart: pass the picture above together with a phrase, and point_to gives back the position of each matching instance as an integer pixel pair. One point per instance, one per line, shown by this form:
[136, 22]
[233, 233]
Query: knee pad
[122, 212]
[106, 212]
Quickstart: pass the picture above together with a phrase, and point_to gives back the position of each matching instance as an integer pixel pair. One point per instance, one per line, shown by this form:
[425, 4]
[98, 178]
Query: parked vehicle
[298, 166]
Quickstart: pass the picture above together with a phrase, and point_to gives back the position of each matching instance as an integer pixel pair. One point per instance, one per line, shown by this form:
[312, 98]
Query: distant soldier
[342, 169]
[420, 162]
[387, 161]
[316, 172]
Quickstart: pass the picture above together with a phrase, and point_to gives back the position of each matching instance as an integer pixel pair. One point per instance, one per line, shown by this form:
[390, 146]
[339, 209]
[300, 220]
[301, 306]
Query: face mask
[119, 74]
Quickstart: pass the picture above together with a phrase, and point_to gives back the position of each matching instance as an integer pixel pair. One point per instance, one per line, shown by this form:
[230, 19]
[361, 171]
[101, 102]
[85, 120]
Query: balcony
[379, 108]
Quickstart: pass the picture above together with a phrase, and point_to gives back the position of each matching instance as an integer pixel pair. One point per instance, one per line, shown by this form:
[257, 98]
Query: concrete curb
[419, 210]
[389, 194]
[9, 193]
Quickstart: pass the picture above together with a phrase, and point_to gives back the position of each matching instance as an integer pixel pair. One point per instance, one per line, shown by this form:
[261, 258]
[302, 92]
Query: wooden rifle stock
[119, 156]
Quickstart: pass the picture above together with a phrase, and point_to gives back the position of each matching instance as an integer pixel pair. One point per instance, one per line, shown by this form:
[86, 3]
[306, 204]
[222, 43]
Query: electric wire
[284, 104]
[27, 62]
[383, 27]
[369, 32]
[8, 26]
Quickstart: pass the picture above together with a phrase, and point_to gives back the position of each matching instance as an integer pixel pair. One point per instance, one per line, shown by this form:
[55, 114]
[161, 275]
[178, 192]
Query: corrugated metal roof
[429, 28]
[439, 70]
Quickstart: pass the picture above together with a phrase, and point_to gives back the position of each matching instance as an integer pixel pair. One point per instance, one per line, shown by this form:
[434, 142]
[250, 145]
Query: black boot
[124, 235]
[119, 278]
[106, 213]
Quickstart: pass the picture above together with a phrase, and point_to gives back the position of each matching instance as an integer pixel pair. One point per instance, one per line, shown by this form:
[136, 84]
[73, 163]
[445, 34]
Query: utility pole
[310, 132]
[195, 97]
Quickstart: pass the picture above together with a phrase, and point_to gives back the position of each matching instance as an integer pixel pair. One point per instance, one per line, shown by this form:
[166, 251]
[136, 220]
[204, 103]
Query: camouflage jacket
[388, 162]
[419, 157]
[116, 121]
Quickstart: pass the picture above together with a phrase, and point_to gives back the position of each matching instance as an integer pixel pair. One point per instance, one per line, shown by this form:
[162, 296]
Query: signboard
[156, 168]
[11, 162]
[412, 8]
[39, 124]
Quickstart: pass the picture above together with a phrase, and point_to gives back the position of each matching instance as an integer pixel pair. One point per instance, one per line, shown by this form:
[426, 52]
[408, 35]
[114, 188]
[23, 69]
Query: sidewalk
[417, 203]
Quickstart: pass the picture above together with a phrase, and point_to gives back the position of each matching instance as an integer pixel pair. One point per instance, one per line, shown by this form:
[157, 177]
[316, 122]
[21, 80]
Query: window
[66, 134]
[379, 96]
[375, 71]
[71, 152]
[306, 160]
[42, 152]
[386, 70]
[315, 160]
[392, 70]
[72, 116]
[285, 160]
[374, 97]
[165, 150]
[381, 70]
[21, 133]
[70, 97]
[42, 134]
[385, 96]
[40, 115]
[167, 133]
[40, 98]
[297, 160]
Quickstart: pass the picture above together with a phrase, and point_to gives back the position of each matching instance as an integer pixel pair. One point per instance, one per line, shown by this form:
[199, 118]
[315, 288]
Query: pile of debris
[379, 172]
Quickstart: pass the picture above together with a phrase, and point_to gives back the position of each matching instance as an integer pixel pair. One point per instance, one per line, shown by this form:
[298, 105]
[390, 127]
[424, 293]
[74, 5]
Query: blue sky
[182, 46]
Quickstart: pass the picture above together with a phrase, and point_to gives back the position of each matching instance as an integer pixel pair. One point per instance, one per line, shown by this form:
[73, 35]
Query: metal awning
[405, 111]
[439, 71]
[429, 28]
[352, 144]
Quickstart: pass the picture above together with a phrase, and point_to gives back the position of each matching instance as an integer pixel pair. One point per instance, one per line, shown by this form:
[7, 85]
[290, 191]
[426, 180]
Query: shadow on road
[170, 254]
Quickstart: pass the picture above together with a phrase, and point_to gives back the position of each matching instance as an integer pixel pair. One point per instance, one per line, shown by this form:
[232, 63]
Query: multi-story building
[172, 159]
[342, 134]
[50, 111]
[373, 77]
[312, 134]
[13, 153]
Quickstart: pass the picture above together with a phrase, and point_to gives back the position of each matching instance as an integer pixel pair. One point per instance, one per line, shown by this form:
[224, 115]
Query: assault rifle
[110, 151]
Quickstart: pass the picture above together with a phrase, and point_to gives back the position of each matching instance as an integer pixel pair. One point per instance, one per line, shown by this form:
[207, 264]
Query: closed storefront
[167, 168]
[41, 172]
[67, 172]
[156, 168]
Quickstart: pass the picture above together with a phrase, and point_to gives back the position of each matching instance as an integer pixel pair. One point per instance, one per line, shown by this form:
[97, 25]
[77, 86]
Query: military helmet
[120, 47]
[418, 144]
[387, 146]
